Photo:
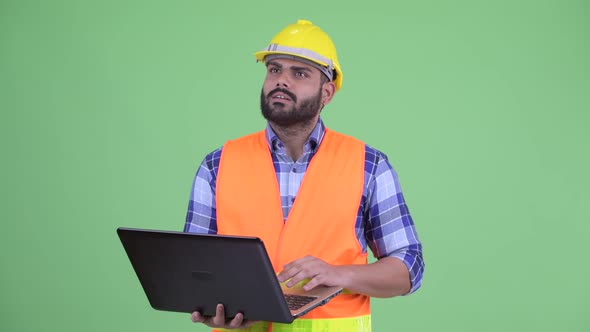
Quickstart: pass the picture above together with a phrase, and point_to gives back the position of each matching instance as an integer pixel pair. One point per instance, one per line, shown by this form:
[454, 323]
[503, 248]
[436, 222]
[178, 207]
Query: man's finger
[237, 321]
[298, 270]
[290, 271]
[297, 262]
[313, 283]
[219, 319]
[298, 278]
[197, 318]
[287, 273]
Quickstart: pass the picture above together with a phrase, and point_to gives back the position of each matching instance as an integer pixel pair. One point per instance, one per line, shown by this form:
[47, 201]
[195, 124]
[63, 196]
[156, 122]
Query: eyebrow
[272, 63]
[295, 68]
[301, 68]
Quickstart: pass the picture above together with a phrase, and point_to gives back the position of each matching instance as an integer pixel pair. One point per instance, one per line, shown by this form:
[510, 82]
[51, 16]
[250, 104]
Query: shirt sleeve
[201, 216]
[389, 229]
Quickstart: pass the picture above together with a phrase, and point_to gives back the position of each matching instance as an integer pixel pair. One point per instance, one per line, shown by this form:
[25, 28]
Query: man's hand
[315, 269]
[219, 322]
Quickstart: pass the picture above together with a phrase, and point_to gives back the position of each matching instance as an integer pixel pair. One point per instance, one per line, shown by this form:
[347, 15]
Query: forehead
[289, 63]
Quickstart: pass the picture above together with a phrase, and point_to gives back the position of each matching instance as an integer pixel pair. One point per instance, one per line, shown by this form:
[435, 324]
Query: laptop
[186, 272]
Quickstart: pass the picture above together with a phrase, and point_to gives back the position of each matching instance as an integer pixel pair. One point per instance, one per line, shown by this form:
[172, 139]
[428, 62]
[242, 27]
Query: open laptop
[186, 272]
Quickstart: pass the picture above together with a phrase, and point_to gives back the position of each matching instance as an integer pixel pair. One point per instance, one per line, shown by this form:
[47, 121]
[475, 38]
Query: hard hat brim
[261, 55]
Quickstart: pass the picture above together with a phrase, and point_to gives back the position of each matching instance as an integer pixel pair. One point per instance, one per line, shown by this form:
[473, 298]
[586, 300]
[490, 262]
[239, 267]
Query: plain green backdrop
[108, 107]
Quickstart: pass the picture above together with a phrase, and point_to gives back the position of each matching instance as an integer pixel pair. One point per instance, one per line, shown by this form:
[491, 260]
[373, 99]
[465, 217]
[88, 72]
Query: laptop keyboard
[297, 301]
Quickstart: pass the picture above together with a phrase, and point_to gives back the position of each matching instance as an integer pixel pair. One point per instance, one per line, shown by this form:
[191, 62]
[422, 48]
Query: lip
[280, 97]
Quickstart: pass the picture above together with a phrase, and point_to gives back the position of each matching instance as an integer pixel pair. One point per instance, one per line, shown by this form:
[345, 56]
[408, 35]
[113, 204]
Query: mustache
[287, 92]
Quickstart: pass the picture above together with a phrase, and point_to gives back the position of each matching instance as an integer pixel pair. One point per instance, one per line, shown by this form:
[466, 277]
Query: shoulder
[211, 161]
[377, 162]
[341, 136]
[374, 155]
[254, 137]
[374, 158]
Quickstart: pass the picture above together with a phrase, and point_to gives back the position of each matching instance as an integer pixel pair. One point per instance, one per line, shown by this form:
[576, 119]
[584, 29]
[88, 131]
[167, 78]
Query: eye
[301, 74]
[273, 70]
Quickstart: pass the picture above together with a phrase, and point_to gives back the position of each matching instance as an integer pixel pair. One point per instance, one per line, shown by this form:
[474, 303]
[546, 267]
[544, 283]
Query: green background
[108, 107]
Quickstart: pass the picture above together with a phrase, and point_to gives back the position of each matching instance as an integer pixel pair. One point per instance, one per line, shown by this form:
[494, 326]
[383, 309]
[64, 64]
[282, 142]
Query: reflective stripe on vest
[248, 203]
[350, 324]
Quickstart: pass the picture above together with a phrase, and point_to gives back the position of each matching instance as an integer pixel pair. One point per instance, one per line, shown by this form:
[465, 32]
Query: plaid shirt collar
[312, 143]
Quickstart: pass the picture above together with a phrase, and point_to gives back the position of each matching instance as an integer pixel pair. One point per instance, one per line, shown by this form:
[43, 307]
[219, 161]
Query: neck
[294, 136]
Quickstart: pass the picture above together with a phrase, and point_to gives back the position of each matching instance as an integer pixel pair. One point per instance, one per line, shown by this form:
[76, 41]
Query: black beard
[277, 113]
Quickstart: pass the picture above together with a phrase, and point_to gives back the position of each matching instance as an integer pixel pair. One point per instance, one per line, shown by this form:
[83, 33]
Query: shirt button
[294, 169]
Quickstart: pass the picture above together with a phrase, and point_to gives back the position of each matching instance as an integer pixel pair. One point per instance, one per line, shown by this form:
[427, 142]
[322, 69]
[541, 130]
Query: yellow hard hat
[306, 40]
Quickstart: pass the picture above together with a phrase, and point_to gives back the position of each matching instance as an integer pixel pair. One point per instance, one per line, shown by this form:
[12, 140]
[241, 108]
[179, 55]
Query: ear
[328, 91]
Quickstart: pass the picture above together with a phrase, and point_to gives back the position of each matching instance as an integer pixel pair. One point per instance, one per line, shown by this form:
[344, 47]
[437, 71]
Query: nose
[283, 80]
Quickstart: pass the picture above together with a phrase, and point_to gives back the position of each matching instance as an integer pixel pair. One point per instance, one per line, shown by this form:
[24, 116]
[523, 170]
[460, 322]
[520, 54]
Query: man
[316, 198]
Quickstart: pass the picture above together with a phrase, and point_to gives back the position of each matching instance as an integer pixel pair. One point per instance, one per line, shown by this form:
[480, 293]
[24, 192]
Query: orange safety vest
[321, 222]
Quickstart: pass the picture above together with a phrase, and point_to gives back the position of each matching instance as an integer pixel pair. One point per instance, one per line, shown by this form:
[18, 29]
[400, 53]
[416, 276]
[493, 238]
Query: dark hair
[324, 79]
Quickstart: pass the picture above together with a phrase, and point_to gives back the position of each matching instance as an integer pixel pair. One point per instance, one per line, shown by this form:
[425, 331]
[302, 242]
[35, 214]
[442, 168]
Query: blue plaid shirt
[383, 220]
